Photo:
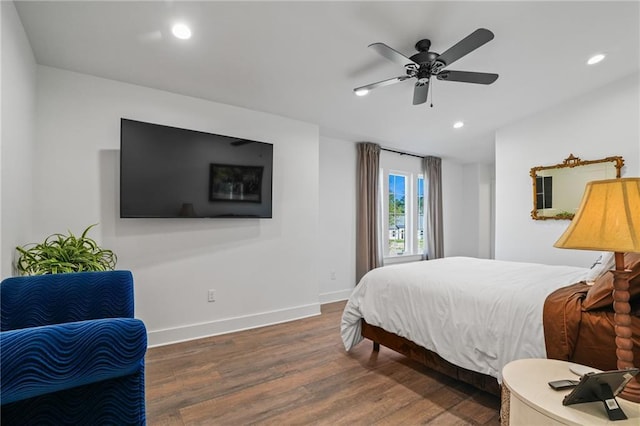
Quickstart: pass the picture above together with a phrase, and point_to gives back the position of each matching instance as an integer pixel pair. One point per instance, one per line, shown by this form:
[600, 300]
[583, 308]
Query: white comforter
[476, 313]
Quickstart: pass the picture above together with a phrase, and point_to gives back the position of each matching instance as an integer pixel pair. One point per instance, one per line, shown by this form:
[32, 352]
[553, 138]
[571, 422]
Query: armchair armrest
[46, 359]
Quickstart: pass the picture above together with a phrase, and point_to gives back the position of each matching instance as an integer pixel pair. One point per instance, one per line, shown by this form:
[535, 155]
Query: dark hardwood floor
[298, 373]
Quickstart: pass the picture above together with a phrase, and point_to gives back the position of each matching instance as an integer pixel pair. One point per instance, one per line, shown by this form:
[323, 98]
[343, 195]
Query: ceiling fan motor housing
[424, 58]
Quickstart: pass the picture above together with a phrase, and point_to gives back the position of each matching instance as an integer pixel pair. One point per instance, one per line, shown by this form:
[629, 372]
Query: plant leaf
[64, 253]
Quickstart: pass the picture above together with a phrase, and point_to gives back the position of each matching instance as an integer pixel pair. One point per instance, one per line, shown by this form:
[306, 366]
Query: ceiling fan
[424, 64]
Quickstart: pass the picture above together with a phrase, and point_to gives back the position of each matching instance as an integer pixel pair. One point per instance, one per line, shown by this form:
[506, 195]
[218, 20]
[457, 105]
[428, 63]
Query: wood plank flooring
[298, 373]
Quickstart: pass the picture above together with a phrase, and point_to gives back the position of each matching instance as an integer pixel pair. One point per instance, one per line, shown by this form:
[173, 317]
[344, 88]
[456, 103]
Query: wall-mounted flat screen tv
[168, 172]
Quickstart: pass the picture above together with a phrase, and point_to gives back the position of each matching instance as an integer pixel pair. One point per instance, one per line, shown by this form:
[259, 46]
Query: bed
[468, 317]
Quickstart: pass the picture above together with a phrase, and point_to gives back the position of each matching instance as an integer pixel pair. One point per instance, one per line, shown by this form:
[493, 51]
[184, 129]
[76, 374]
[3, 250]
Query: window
[403, 213]
[397, 215]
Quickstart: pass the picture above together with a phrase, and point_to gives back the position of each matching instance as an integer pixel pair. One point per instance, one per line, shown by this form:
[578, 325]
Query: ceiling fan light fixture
[596, 58]
[181, 31]
[458, 124]
[361, 92]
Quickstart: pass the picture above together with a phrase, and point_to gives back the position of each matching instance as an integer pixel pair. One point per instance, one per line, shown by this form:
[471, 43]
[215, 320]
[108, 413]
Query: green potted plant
[60, 253]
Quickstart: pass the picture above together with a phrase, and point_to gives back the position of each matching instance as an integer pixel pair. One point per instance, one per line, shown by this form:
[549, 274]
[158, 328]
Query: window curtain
[433, 244]
[368, 246]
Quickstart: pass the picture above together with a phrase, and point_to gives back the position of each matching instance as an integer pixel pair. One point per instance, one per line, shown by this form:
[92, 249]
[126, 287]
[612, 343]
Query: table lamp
[608, 219]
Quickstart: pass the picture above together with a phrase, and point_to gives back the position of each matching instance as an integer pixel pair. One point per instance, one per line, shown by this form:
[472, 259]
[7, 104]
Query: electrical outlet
[211, 296]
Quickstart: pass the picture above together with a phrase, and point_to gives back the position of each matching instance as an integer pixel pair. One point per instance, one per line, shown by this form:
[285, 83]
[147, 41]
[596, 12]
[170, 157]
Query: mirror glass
[558, 189]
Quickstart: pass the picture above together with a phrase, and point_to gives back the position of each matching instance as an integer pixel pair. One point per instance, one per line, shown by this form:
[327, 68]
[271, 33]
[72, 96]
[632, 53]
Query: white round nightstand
[531, 401]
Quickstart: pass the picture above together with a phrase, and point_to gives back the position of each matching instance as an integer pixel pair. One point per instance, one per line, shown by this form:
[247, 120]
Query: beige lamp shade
[608, 218]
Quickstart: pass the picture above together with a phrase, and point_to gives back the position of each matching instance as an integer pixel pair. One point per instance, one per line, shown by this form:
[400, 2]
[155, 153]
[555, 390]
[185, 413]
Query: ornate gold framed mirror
[558, 189]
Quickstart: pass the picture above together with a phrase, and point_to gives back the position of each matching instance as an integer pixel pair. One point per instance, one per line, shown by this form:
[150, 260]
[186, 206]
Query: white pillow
[605, 262]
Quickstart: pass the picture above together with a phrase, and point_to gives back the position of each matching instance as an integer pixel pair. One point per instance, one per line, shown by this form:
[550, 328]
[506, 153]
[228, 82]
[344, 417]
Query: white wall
[18, 88]
[467, 209]
[337, 249]
[597, 125]
[475, 228]
[263, 270]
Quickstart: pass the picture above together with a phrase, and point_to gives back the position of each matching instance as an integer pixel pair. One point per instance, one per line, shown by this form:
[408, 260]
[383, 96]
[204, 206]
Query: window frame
[417, 228]
[411, 214]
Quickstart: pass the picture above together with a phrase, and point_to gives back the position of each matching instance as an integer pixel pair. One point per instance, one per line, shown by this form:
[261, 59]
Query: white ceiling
[302, 59]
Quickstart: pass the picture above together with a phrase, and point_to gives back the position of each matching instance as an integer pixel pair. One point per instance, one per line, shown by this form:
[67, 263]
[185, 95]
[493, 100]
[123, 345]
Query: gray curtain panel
[432, 169]
[368, 248]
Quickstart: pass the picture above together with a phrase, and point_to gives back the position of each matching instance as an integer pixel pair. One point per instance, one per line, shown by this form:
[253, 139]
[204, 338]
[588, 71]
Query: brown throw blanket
[573, 333]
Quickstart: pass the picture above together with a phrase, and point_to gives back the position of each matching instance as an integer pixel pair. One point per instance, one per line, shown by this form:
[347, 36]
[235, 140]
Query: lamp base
[622, 321]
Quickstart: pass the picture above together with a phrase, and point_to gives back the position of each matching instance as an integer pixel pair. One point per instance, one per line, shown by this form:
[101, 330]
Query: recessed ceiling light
[595, 59]
[181, 31]
[361, 92]
[458, 124]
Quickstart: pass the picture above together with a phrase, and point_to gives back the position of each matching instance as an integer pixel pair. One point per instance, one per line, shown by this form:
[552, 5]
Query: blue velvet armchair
[71, 351]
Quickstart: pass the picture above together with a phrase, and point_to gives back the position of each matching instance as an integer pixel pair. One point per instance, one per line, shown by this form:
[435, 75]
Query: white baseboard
[335, 296]
[229, 325]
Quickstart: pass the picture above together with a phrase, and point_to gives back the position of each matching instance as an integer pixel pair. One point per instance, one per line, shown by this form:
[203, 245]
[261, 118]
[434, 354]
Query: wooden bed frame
[428, 358]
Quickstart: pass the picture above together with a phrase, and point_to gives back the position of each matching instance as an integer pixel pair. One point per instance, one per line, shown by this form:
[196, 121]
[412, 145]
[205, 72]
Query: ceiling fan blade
[463, 47]
[420, 93]
[468, 77]
[383, 83]
[391, 54]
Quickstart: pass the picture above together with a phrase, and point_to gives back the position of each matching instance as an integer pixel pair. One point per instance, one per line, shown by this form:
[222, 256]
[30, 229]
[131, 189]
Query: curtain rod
[401, 152]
